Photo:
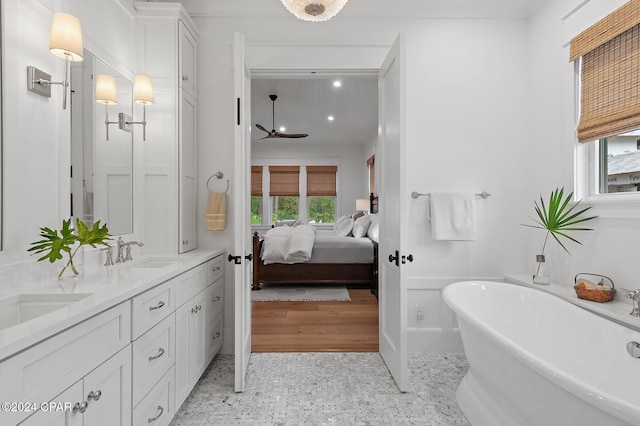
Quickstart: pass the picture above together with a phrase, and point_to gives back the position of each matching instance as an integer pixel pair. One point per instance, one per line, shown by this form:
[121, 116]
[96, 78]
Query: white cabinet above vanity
[113, 356]
[168, 54]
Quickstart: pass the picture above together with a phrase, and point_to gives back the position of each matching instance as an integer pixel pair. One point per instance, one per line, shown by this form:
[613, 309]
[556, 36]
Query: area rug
[303, 293]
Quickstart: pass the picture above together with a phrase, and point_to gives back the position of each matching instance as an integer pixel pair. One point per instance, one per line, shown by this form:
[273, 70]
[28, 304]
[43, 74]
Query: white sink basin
[24, 307]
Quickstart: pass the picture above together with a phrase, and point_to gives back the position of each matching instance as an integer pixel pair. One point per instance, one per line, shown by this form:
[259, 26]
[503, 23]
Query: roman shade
[610, 74]
[371, 164]
[321, 180]
[256, 181]
[285, 180]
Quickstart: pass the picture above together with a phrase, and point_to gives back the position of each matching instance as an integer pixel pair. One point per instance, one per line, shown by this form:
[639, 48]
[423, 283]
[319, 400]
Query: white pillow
[374, 227]
[339, 220]
[361, 226]
[343, 228]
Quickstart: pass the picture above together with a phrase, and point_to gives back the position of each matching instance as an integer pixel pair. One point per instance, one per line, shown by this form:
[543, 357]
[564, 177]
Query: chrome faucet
[109, 251]
[124, 250]
[634, 295]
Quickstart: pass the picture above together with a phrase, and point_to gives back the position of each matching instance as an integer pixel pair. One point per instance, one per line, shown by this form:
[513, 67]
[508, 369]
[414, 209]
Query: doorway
[338, 111]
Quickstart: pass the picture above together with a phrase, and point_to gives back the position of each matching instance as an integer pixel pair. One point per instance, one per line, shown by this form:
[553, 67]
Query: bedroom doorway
[392, 311]
[343, 145]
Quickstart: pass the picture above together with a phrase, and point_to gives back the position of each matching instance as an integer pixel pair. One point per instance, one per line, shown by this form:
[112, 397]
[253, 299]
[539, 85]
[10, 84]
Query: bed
[334, 259]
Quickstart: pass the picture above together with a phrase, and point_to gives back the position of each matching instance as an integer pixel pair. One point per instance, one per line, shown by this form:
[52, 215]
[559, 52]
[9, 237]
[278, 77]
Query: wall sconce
[66, 43]
[143, 95]
[106, 94]
[362, 205]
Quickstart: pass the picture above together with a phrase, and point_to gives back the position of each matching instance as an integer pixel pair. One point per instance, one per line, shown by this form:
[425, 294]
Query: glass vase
[72, 267]
[541, 271]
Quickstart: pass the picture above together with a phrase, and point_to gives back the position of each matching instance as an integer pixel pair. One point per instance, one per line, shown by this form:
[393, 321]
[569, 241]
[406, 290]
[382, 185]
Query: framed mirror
[101, 153]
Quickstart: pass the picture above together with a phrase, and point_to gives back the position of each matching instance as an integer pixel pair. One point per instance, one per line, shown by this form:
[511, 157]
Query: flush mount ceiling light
[314, 10]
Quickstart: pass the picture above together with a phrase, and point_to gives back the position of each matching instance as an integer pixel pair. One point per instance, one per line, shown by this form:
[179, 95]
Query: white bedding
[285, 244]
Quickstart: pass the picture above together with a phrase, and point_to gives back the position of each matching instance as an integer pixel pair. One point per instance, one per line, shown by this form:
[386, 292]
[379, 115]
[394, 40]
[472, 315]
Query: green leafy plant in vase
[557, 218]
[56, 243]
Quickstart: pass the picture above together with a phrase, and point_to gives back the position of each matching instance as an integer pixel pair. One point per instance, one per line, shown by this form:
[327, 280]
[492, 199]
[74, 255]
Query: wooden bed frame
[315, 273]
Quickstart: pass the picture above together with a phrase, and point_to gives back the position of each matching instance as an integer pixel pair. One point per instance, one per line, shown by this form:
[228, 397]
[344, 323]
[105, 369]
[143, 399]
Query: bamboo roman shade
[285, 180]
[256, 181]
[321, 180]
[610, 74]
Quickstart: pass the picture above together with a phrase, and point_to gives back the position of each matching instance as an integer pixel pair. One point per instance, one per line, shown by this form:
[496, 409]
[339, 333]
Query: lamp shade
[362, 204]
[106, 91]
[314, 10]
[66, 37]
[142, 90]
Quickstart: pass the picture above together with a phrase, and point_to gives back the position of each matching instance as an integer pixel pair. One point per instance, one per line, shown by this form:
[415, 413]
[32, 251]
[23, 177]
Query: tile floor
[327, 389]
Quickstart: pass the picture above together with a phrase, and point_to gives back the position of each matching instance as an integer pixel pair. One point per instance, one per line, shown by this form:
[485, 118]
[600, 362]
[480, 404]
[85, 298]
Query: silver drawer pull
[94, 395]
[216, 269]
[218, 298]
[160, 353]
[158, 306]
[216, 336]
[153, 419]
[80, 407]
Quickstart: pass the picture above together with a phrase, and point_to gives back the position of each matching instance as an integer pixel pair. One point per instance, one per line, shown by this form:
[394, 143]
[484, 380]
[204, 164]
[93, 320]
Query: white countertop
[108, 286]
[614, 310]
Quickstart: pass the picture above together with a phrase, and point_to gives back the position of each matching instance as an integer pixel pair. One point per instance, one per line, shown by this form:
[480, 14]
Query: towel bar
[218, 175]
[483, 195]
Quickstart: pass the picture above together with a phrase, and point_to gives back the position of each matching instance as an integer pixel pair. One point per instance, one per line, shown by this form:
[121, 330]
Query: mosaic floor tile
[327, 389]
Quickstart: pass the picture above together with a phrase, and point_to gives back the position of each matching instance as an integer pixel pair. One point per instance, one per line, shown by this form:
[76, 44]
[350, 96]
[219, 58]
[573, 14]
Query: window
[284, 191]
[619, 163]
[321, 194]
[256, 195]
[609, 69]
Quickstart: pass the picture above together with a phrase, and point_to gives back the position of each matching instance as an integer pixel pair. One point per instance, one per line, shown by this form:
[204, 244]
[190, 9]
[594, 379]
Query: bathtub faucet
[634, 295]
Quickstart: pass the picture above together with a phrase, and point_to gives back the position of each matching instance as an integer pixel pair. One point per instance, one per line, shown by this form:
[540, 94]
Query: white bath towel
[453, 216]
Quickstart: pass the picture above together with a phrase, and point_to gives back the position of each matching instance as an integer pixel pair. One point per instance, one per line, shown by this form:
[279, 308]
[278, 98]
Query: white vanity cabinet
[168, 54]
[83, 354]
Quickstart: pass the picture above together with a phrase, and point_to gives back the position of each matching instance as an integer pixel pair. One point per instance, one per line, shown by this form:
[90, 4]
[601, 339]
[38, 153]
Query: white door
[392, 250]
[241, 202]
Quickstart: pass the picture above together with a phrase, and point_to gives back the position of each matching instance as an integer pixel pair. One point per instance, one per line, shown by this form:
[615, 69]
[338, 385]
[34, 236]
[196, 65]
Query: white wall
[610, 248]
[466, 114]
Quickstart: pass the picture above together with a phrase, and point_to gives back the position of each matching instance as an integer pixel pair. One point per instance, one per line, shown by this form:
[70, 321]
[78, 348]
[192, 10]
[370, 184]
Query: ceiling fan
[273, 133]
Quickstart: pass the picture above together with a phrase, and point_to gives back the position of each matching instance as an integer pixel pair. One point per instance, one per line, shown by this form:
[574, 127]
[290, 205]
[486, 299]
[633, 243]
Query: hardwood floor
[316, 326]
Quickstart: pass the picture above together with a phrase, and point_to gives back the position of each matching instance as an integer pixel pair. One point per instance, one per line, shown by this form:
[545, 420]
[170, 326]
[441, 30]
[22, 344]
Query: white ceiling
[375, 8]
[304, 105]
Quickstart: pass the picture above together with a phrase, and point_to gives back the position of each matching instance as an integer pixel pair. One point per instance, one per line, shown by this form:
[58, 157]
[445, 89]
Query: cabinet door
[60, 413]
[182, 382]
[188, 175]
[107, 391]
[197, 338]
[188, 61]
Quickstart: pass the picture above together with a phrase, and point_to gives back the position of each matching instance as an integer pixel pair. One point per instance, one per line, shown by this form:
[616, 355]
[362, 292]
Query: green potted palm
[557, 217]
[55, 243]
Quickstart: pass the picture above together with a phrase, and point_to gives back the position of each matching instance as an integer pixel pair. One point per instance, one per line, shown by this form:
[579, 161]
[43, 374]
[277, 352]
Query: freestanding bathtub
[535, 359]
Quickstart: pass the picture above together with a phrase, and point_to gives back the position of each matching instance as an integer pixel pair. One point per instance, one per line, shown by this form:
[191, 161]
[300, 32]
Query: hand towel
[216, 211]
[453, 216]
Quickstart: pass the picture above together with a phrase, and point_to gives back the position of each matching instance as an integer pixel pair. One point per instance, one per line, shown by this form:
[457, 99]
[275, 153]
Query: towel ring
[218, 175]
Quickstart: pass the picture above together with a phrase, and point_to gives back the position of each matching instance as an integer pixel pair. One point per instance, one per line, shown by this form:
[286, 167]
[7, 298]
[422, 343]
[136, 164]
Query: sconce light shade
[314, 10]
[66, 37]
[106, 91]
[362, 204]
[142, 90]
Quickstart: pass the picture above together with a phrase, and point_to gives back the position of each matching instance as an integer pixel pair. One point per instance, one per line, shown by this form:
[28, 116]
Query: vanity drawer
[215, 269]
[153, 356]
[157, 408]
[214, 338]
[44, 370]
[190, 283]
[152, 306]
[214, 302]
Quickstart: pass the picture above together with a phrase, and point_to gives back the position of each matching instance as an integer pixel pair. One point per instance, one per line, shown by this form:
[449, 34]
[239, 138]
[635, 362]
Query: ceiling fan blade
[262, 128]
[291, 135]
